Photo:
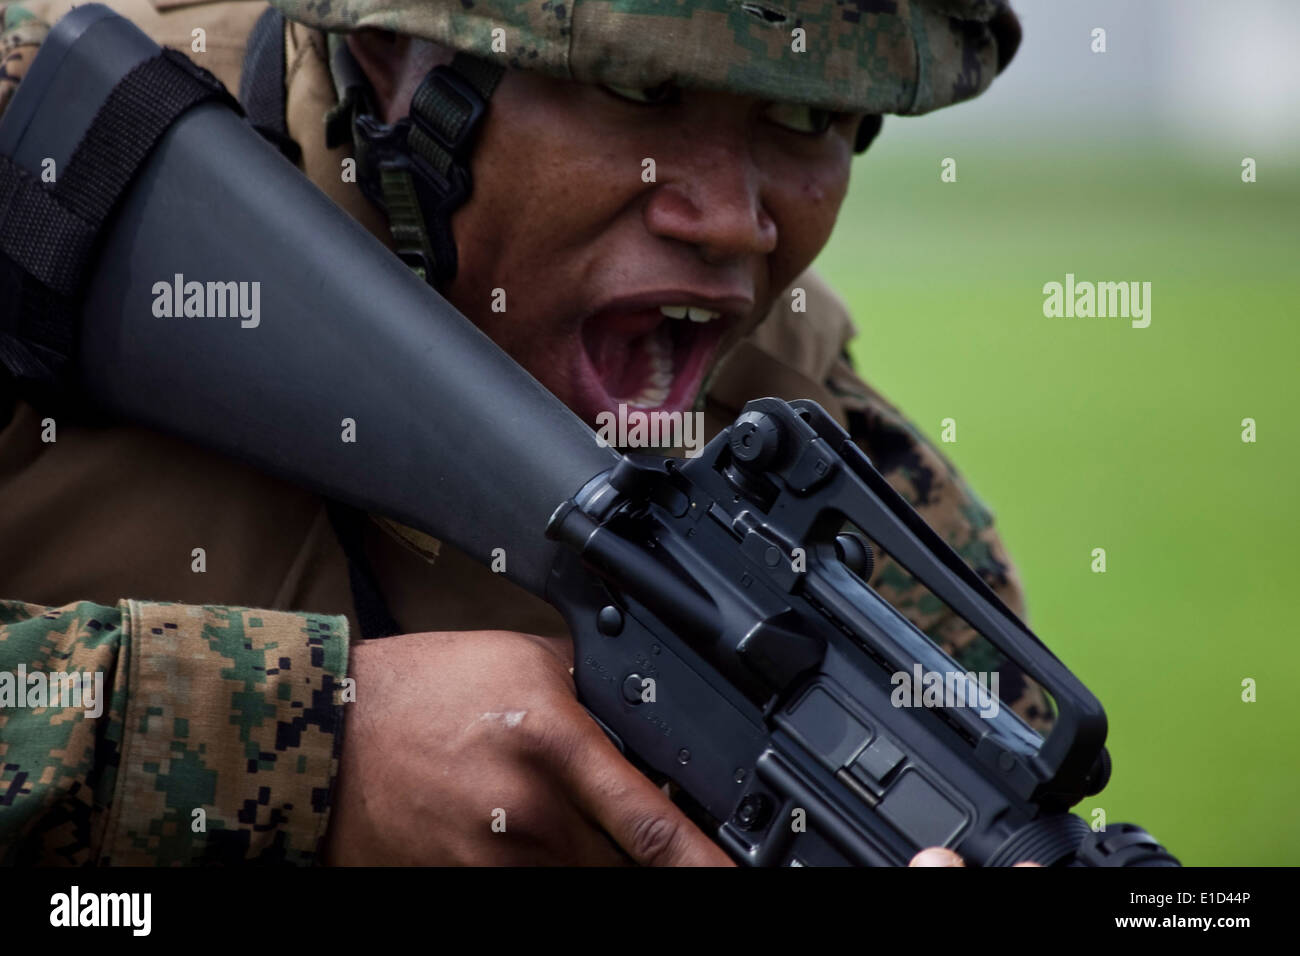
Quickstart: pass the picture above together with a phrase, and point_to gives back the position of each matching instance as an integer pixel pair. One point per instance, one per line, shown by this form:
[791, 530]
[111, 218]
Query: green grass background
[1084, 433]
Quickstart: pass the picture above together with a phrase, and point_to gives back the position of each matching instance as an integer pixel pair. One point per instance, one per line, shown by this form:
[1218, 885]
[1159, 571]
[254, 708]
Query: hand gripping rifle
[725, 635]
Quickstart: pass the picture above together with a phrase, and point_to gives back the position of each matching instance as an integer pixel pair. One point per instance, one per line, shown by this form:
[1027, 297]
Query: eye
[808, 120]
[664, 93]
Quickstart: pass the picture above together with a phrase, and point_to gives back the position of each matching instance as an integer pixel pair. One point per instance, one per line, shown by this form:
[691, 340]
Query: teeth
[651, 397]
[660, 383]
[694, 313]
[661, 364]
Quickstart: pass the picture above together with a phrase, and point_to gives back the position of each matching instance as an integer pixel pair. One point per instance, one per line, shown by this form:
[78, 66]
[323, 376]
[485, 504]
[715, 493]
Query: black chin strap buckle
[448, 109]
[417, 169]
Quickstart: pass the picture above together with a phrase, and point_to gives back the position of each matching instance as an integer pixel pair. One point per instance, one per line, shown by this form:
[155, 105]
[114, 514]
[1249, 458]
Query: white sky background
[1209, 74]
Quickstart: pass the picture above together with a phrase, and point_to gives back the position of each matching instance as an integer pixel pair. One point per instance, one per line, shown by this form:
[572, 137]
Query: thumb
[937, 856]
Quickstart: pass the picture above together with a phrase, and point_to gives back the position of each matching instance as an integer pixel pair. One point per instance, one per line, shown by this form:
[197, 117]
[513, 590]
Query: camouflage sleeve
[929, 482]
[162, 734]
[21, 34]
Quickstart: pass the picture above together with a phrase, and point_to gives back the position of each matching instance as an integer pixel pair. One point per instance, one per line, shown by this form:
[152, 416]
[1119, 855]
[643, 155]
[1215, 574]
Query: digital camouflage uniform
[218, 708]
[224, 710]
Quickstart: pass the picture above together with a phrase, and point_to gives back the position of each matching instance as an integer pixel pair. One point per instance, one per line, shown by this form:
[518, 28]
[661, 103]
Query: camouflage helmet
[870, 56]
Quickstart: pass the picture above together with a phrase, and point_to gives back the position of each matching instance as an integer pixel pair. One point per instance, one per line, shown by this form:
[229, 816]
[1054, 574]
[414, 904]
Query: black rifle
[724, 632]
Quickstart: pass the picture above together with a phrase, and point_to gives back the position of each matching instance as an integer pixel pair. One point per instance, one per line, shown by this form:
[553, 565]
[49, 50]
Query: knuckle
[527, 648]
[547, 736]
[655, 838]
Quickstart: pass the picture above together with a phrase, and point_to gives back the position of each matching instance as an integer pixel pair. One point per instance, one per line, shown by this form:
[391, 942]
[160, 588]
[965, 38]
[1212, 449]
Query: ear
[395, 63]
[380, 54]
[868, 130]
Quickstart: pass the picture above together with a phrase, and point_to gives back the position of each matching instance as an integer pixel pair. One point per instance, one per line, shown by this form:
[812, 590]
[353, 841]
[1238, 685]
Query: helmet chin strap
[417, 169]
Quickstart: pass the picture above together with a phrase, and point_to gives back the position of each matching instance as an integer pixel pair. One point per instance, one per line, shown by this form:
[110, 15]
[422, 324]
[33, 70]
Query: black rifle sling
[49, 231]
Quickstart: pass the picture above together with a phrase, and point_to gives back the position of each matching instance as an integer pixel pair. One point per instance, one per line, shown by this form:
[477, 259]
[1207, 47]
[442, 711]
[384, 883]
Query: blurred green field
[1083, 433]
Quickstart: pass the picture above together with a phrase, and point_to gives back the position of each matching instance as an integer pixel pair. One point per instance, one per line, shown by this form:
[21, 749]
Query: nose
[709, 195]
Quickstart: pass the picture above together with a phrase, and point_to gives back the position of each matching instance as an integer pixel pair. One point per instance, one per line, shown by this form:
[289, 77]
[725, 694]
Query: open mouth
[651, 359]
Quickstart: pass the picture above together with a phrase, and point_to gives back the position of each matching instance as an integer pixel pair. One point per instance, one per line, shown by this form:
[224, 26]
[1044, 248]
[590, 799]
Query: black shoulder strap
[373, 614]
[261, 83]
[49, 233]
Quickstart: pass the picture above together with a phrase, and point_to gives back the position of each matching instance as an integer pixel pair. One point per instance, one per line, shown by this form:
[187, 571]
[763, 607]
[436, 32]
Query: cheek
[814, 192]
[536, 205]
[501, 238]
[805, 209]
[533, 228]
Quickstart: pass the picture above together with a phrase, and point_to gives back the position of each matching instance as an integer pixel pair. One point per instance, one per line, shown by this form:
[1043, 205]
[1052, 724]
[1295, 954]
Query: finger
[633, 811]
[937, 856]
[1025, 863]
[561, 647]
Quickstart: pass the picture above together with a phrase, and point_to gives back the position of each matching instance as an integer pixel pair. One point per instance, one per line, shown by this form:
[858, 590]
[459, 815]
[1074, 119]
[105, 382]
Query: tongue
[621, 354]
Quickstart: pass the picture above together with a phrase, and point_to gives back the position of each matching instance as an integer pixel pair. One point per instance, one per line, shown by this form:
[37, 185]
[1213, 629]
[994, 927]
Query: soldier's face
[634, 242]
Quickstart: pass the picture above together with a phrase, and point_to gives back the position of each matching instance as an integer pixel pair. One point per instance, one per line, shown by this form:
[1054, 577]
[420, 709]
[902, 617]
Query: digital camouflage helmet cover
[848, 56]
[870, 56]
